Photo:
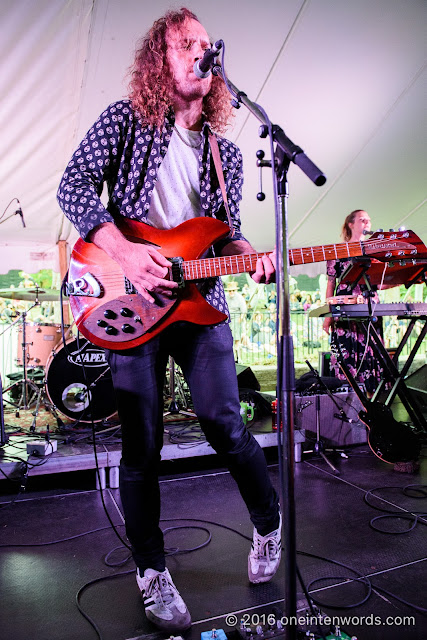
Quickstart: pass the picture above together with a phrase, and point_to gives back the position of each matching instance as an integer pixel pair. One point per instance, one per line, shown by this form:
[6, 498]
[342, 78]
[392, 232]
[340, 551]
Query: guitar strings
[200, 265]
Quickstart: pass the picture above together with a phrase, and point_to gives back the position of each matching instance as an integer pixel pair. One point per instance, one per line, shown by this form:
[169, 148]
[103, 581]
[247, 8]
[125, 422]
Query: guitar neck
[226, 265]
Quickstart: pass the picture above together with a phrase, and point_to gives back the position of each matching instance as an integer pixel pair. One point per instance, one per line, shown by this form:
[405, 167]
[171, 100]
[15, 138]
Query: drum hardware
[174, 384]
[30, 392]
[32, 293]
[27, 385]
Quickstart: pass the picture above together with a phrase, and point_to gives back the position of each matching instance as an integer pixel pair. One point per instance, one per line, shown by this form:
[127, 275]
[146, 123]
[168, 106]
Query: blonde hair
[346, 231]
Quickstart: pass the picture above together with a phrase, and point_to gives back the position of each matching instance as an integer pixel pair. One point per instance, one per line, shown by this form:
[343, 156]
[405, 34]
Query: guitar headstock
[385, 245]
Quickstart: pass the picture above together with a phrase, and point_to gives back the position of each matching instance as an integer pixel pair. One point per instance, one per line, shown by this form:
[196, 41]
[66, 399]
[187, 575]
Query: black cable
[310, 598]
[360, 577]
[4, 212]
[348, 580]
[310, 601]
[414, 517]
[101, 490]
[177, 551]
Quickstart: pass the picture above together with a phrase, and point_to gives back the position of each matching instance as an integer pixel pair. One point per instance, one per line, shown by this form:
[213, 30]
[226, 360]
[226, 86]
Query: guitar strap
[218, 166]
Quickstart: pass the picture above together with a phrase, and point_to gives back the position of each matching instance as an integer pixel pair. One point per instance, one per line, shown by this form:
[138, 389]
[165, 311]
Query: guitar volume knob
[126, 313]
[127, 328]
[110, 314]
[111, 331]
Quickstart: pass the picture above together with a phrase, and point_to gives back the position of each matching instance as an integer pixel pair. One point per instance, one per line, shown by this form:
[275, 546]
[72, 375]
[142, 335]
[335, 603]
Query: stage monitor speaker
[246, 378]
[334, 430]
[417, 383]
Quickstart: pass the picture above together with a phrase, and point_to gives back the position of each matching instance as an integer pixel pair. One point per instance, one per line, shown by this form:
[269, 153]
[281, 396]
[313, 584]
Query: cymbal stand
[42, 399]
[173, 407]
[37, 393]
[25, 382]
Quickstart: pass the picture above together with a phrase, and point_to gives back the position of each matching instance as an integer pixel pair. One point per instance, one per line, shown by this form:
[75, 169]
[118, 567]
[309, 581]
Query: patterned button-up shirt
[126, 155]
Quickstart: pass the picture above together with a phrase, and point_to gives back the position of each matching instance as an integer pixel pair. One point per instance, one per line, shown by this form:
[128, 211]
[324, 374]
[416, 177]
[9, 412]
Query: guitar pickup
[177, 272]
[86, 285]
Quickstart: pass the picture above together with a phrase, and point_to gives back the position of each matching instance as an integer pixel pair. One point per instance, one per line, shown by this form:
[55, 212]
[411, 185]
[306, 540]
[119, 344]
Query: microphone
[19, 211]
[367, 233]
[202, 68]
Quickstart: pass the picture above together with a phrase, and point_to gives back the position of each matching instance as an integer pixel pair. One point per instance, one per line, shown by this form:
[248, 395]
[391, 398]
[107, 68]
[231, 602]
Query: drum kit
[57, 369]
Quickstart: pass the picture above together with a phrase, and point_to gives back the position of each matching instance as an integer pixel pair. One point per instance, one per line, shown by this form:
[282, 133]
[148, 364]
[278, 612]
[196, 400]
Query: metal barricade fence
[256, 332]
[8, 352]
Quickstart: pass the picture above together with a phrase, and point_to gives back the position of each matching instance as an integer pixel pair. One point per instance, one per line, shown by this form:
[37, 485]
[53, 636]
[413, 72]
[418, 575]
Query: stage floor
[56, 537]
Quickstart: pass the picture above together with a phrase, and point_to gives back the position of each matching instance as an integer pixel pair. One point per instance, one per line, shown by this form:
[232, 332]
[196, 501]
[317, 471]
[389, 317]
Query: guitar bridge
[86, 285]
[177, 272]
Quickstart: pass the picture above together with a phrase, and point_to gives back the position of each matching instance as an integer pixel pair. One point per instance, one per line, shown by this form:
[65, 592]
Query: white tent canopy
[345, 80]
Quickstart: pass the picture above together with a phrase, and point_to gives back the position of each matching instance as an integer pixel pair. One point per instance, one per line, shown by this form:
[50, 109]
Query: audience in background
[237, 307]
[255, 336]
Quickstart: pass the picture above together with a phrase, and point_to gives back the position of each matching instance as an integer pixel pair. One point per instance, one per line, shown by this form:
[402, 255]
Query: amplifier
[339, 422]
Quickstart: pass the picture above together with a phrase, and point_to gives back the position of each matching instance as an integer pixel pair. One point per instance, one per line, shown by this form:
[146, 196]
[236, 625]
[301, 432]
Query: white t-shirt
[176, 195]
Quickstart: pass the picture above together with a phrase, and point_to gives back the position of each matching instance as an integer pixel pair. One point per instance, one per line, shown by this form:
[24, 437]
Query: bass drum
[78, 382]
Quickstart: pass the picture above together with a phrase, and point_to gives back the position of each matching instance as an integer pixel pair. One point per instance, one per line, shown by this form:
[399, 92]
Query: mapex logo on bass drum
[90, 357]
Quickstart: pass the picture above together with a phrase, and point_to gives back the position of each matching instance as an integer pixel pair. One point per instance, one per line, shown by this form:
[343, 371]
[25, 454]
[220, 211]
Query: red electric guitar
[110, 317]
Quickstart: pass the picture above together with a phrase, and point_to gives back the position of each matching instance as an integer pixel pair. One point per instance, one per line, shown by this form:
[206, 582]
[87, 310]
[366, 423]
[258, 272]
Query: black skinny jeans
[205, 356]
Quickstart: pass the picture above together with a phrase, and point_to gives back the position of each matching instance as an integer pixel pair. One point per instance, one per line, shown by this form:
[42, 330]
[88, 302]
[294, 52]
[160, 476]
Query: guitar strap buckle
[177, 272]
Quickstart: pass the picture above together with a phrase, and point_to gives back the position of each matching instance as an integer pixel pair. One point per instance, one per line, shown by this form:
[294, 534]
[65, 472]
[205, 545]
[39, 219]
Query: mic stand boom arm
[281, 156]
[293, 152]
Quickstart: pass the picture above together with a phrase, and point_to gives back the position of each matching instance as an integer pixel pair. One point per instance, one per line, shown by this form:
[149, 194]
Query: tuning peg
[402, 228]
[392, 230]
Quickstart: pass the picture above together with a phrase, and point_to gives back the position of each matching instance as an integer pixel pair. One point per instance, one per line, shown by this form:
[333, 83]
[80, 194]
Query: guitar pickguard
[126, 317]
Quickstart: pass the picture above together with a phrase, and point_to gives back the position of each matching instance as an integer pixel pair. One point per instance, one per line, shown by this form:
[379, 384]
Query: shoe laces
[160, 588]
[266, 546]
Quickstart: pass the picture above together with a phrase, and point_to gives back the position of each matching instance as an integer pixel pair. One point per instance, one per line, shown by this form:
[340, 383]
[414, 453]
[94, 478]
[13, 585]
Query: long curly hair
[151, 82]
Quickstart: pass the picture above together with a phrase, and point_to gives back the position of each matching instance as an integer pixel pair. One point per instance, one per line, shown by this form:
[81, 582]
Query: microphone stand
[283, 151]
[11, 216]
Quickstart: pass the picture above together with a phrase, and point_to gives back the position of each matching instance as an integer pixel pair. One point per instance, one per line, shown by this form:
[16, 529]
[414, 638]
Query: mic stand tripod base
[319, 450]
[325, 458]
[175, 410]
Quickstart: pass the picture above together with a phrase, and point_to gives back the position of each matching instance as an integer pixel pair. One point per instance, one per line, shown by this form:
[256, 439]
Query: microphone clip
[203, 68]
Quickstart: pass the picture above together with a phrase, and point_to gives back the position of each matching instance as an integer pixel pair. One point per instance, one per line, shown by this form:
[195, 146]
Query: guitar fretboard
[225, 265]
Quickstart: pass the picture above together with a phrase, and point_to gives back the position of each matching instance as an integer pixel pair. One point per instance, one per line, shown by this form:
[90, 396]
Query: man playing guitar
[154, 154]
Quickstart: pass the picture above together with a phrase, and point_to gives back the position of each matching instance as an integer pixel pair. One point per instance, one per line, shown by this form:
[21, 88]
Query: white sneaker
[264, 556]
[164, 607]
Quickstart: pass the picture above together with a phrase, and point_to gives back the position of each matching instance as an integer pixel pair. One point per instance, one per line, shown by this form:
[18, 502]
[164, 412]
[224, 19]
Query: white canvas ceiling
[346, 81]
